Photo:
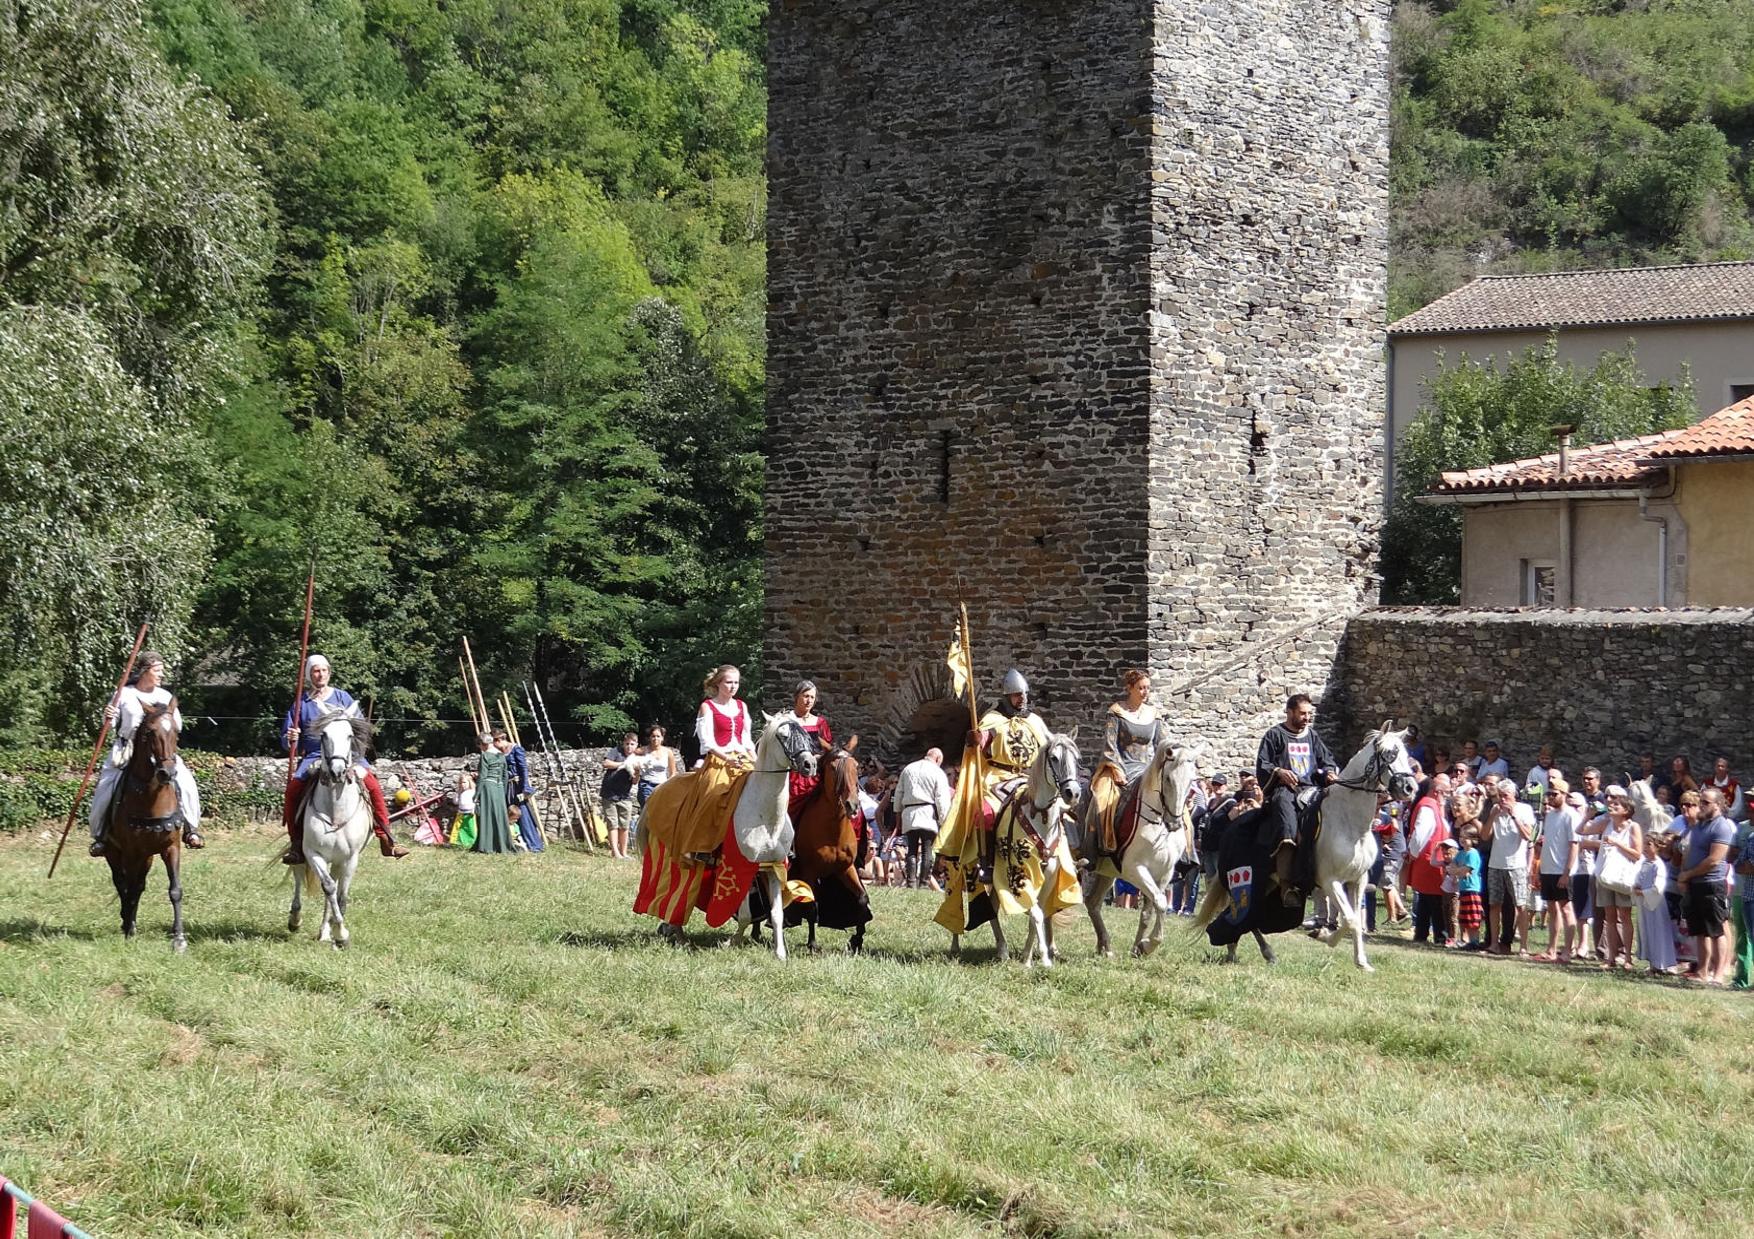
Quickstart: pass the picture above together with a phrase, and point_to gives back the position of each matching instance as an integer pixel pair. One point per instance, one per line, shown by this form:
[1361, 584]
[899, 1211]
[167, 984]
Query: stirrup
[192, 839]
[100, 846]
[294, 857]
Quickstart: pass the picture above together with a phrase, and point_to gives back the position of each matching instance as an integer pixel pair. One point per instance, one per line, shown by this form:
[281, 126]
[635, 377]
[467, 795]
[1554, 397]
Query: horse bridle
[328, 755]
[1377, 773]
[792, 744]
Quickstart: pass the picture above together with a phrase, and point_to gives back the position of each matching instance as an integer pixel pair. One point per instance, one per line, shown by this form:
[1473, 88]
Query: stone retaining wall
[1600, 685]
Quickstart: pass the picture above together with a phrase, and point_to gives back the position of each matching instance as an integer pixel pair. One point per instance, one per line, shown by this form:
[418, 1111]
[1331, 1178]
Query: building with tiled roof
[1695, 320]
[1657, 520]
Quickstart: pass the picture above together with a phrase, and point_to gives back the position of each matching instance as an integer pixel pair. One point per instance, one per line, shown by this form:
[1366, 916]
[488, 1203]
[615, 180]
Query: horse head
[1176, 770]
[155, 742]
[343, 738]
[843, 769]
[793, 741]
[1388, 769]
[1057, 766]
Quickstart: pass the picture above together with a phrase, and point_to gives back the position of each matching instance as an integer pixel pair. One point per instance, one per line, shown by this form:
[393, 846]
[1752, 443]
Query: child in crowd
[1470, 901]
[1656, 932]
[463, 825]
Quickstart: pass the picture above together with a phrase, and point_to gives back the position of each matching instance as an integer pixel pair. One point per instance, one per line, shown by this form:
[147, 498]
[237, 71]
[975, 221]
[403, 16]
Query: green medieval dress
[493, 831]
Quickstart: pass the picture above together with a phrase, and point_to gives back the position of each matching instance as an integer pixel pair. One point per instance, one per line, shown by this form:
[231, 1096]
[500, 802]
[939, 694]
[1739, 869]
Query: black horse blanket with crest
[1246, 870]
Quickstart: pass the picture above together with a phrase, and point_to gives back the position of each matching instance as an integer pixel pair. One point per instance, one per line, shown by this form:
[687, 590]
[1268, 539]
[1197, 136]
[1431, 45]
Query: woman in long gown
[493, 828]
[1131, 732]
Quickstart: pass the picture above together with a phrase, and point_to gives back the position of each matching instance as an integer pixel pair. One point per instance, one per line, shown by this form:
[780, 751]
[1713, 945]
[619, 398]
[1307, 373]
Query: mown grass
[506, 1049]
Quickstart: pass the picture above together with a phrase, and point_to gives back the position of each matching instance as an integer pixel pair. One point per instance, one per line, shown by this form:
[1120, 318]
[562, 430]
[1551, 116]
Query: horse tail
[1213, 904]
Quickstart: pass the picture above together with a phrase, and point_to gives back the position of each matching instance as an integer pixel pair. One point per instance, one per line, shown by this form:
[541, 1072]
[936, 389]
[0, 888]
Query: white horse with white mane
[1043, 806]
[1163, 837]
[1345, 848]
[760, 824]
[337, 822]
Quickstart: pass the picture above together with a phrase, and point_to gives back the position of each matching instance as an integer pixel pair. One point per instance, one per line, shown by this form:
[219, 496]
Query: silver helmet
[1013, 683]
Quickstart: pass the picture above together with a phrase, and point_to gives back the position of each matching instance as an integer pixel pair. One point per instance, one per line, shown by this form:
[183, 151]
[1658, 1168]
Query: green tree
[1480, 414]
[132, 236]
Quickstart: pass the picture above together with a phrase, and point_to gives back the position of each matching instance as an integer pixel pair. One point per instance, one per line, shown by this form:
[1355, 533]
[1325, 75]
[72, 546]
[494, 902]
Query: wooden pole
[304, 650]
[475, 683]
[587, 814]
[102, 734]
[474, 718]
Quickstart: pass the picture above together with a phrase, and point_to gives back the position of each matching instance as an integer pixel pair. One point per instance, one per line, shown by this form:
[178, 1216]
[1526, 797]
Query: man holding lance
[320, 698]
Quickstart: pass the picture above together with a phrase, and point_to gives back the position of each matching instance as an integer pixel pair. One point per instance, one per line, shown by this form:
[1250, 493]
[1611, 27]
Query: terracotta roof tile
[1728, 432]
[1718, 290]
[1617, 464]
[1622, 463]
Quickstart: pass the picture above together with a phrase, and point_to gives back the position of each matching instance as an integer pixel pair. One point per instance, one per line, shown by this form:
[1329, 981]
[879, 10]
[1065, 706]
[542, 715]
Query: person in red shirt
[1425, 860]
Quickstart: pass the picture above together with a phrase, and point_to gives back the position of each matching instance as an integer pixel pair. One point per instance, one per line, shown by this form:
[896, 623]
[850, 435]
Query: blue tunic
[310, 741]
[518, 783]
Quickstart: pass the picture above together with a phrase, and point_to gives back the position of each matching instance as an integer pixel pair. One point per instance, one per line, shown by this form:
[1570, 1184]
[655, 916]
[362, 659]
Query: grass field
[505, 1049]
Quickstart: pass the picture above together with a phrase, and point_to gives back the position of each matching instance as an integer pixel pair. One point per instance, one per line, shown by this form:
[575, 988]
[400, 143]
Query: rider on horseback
[319, 699]
[145, 689]
[1010, 733]
[1292, 759]
[805, 787]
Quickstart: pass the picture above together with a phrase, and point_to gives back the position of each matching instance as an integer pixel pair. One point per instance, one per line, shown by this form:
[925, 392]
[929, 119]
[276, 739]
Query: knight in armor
[805, 787]
[1010, 733]
[319, 698]
[1292, 759]
[145, 689]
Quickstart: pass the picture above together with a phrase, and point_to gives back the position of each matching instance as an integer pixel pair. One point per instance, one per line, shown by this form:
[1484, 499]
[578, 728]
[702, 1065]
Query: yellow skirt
[690, 812]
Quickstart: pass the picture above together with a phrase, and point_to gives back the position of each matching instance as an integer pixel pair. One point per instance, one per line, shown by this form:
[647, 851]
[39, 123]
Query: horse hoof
[292, 925]
[1102, 952]
[1364, 967]
[179, 945]
[813, 949]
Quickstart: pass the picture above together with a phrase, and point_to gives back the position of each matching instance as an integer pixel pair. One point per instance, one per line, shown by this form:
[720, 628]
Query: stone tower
[1076, 310]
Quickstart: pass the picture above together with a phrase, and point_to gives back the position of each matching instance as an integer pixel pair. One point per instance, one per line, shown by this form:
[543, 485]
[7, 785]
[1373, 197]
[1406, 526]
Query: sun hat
[1614, 789]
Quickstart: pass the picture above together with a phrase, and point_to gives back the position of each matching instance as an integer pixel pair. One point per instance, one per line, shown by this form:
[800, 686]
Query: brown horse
[148, 820]
[827, 851]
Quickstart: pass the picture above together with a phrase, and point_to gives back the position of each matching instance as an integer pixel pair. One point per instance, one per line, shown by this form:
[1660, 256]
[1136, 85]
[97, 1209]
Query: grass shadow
[21, 931]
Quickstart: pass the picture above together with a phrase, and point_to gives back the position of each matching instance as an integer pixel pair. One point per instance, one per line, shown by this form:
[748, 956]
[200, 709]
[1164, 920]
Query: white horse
[337, 822]
[1045, 803]
[1345, 847]
[1163, 837]
[760, 824]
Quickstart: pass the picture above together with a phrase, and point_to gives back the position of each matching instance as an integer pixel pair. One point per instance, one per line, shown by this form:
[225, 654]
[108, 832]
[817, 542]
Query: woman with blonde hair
[685, 819]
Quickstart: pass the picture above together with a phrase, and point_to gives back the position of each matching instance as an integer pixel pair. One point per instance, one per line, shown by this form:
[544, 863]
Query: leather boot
[388, 845]
[192, 839]
[1283, 859]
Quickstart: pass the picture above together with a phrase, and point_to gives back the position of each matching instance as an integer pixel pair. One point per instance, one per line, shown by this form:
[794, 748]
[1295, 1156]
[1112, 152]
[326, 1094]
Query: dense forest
[463, 300]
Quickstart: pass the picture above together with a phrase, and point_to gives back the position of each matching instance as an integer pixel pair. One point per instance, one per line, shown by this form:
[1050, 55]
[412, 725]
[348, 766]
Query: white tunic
[923, 792]
[131, 707]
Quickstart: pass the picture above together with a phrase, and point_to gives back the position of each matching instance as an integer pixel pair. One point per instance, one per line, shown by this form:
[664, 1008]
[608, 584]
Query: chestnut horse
[148, 820]
[826, 852]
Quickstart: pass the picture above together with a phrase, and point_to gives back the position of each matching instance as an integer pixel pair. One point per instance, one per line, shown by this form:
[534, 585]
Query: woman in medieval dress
[815, 727]
[145, 690]
[1131, 732]
[493, 829]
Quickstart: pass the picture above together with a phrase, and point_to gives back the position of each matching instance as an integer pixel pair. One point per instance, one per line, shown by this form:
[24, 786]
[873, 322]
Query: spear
[102, 734]
[587, 814]
[304, 649]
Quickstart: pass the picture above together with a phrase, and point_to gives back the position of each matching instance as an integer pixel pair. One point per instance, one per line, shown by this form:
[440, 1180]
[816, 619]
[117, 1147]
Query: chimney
[1563, 434]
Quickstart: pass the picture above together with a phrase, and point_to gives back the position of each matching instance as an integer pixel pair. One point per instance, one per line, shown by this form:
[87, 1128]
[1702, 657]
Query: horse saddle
[1309, 811]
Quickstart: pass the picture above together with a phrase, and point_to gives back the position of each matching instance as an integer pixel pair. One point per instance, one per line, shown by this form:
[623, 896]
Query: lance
[475, 724]
[474, 683]
[304, 650]
[556, 776]
[587, 813]
[102, 734]
[511, 717]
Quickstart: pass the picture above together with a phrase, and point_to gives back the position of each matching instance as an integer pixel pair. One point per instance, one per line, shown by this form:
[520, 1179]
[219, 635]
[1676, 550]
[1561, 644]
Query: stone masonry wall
[958, 345]
[1075, 309]
[1269, 186]
[1600, 685]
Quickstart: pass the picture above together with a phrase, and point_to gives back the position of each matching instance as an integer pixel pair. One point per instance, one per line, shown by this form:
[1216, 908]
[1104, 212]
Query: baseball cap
[1219, 778]
[1576, 800]
[1449, 843]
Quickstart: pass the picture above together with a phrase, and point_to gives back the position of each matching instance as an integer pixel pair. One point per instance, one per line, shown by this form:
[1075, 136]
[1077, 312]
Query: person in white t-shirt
[1492, 763]
[1512, 824]
[1538, 774]
[1557, 832]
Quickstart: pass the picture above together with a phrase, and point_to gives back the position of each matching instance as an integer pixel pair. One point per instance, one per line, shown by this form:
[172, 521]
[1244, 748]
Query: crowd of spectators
[1653, 871]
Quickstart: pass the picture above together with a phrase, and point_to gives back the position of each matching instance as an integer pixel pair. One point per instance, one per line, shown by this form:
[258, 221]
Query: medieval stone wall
[1269, 189]
[1075, 310]
[1600, 685]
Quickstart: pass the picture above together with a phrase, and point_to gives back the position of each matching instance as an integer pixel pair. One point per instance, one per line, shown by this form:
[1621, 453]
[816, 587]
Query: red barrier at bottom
[41, 1222]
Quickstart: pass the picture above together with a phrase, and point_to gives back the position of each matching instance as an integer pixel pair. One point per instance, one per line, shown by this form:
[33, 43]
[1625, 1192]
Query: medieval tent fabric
[493, 832]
